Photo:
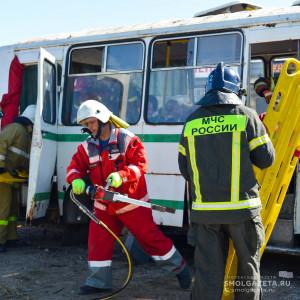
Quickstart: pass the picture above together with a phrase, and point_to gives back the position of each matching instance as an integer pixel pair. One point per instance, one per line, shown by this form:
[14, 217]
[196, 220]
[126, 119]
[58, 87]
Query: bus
[152, 76]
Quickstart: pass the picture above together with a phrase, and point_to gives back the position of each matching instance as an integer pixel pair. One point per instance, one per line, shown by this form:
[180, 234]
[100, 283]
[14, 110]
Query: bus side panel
[167, 190]
[165, 184]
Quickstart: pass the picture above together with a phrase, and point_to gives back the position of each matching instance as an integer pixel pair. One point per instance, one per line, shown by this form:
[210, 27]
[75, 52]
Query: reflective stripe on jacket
[124, 153]
[218, 146]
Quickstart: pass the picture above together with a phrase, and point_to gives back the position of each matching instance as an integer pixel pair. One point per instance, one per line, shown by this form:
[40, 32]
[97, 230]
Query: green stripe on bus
[72, 137]
[61, 195]
[169, 203]
[49, 136]
[41, 197]
[159, 138]
[146, 138]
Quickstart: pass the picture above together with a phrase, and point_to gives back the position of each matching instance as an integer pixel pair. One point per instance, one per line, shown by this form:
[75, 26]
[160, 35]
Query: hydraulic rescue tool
[97, 193]
[101, 193]
[282, 121]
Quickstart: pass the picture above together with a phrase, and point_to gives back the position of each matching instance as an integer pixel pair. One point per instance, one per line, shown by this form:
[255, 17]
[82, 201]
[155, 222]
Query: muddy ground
[45, 269]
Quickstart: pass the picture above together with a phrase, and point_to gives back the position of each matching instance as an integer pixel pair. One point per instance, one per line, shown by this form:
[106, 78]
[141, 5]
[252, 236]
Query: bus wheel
[75, 222]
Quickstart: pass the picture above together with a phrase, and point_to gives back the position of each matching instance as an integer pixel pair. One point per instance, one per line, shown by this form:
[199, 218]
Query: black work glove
[2, 170]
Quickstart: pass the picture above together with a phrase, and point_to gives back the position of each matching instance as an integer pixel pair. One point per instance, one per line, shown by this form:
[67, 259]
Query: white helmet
[29, 113]
[93, 108]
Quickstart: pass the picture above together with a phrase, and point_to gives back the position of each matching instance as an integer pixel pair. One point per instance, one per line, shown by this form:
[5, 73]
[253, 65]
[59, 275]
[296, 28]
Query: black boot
[87, 290]
[184, 278]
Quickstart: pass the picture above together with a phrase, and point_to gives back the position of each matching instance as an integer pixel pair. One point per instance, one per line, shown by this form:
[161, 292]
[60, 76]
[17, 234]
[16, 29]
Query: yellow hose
[85, 210]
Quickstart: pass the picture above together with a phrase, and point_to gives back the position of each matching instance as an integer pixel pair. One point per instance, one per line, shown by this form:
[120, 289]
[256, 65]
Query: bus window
[209, 51]
[125, 57]
[86, 60]
[116, 81]
[49, 93]
[177, 78]
[276, 67]
[29, 87]
[173, 53]
[257, 69]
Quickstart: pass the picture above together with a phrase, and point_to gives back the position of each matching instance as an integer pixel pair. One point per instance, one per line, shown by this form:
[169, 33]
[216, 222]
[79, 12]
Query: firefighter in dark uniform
[220, 143]
[15, 141]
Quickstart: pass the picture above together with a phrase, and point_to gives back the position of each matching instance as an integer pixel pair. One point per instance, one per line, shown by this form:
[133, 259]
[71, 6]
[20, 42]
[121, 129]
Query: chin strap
[100, 129]
[99, 132]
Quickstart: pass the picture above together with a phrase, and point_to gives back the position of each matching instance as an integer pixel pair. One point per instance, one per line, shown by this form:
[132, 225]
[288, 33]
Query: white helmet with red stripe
[93, 108]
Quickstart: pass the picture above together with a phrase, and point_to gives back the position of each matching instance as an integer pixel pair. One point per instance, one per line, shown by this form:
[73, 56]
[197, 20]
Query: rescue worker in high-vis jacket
[220, 143]
[15, 141]
[114, 154]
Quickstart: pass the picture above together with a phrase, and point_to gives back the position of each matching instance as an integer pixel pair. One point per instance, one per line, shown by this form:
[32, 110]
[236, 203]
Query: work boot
[87, 290]
[184, 278]
[2, 248]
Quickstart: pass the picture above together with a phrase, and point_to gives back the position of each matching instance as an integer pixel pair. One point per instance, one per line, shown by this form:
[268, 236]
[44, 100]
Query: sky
[22, 20]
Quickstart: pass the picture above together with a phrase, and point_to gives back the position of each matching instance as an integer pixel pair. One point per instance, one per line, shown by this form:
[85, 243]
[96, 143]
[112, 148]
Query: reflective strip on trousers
[10, 219]
[3, 222]
[99, 264]
[167, 256]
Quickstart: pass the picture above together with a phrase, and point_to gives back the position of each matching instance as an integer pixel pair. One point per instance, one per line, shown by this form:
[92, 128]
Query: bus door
[44, 139]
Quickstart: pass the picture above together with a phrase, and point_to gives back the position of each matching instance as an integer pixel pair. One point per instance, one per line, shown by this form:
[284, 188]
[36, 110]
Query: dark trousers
[211, 249]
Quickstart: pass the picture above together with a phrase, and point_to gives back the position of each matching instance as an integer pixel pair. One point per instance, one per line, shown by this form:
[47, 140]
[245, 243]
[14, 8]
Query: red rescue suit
[124, 153]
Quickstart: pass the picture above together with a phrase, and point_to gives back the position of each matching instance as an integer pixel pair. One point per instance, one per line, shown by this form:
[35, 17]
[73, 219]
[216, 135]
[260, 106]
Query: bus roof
[231, 7]
[260, 17]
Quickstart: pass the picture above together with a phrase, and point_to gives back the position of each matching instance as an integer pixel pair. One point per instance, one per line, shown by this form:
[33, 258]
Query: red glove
[262, 88]
[297, 153]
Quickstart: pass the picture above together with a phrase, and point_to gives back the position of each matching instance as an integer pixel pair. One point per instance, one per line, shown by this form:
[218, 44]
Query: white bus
[152, 76]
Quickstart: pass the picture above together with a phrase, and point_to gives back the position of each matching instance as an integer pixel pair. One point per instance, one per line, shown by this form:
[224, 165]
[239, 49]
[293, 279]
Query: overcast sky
[26, 19]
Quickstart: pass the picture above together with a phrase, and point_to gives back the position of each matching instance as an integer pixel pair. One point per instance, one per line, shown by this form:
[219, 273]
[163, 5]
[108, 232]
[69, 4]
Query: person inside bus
[153, 111]
[15, 141]
[81, 90]
[171, 112]
[263, 88]
[220, 143]
[133, 109]
[114, 155]
[109, 91]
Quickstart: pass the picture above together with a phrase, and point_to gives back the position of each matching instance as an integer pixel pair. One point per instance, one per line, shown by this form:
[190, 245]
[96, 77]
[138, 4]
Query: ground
[44, 269]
